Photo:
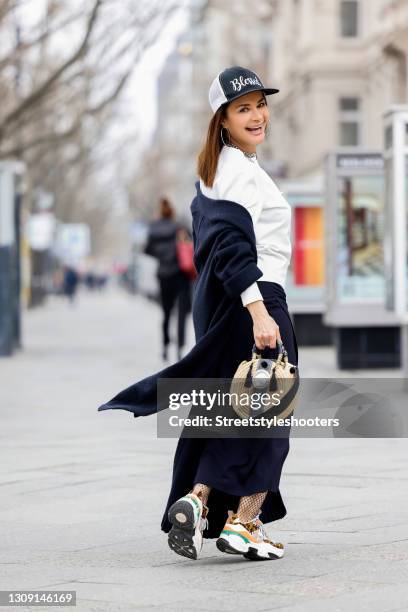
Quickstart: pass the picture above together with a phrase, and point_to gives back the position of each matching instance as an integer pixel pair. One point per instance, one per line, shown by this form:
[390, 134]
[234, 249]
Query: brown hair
[166, 209]
[208, 157]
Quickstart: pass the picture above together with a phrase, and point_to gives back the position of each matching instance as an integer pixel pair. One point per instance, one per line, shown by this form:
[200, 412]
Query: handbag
[185, 254]
[277, 379]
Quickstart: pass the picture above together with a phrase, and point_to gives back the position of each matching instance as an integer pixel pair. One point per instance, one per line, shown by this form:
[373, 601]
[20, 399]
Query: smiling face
[246, 120]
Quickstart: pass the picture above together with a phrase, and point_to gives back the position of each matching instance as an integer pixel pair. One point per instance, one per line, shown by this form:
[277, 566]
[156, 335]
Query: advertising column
[10, 307]
[396, 219]
[367, 335]
[306, 274]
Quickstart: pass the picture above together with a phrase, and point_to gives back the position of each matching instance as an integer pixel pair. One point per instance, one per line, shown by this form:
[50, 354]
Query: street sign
[41, 231]
[138, 232]
[73, 242]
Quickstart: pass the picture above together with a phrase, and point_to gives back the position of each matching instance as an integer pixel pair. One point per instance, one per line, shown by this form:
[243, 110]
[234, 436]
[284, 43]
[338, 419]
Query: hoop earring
[222, 137]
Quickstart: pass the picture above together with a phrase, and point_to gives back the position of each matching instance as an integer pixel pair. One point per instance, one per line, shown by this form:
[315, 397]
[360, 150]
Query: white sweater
[242, 180]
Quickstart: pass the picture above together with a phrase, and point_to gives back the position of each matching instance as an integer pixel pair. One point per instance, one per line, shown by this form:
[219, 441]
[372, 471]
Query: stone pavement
[82, 493]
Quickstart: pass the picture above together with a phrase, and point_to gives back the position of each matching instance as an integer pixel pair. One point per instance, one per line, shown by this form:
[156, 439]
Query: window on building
[349, 122]
[349, 18]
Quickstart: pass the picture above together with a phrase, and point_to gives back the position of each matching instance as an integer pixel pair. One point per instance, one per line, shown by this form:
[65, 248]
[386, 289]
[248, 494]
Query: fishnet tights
[250, 505]
[202, 491]
[248, 508]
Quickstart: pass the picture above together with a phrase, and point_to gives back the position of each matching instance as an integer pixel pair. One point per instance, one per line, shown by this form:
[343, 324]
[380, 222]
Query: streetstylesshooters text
[257, 401]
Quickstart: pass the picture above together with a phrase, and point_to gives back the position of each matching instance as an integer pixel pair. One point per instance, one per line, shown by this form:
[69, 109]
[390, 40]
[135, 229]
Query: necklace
[249, 155]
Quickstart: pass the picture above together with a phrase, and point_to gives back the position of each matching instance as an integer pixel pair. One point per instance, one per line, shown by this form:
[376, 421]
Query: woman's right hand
[266, 330]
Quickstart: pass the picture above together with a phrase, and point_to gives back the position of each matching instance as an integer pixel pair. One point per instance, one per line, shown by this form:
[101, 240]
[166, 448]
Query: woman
[174, 284]
[226, 488]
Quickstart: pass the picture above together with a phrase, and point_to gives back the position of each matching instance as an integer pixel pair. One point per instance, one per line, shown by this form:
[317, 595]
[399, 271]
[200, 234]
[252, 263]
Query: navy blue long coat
[225, 256]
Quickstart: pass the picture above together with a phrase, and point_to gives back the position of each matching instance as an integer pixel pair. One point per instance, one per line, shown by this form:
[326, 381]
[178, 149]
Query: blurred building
[339, 64]
[334, 87]
[219, 34]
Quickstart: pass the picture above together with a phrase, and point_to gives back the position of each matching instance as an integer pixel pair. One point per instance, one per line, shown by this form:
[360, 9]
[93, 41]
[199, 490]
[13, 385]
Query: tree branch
[42, 89]
[46, 139]
[25, 46]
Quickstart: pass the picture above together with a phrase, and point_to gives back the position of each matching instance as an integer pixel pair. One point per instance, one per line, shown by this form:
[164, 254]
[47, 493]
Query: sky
[140, 112]
[142, 109]
[148, 71]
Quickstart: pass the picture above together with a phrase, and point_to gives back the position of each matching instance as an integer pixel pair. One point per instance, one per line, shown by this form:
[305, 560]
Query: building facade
[339, 65]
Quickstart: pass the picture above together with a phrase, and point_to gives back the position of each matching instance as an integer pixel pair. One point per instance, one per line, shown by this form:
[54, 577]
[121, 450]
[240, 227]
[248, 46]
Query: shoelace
[256, 525]
[260, 526]
[203, 524]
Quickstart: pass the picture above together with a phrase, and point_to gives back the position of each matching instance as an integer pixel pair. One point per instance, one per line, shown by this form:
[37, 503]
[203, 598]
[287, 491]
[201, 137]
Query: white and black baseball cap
[233, 83]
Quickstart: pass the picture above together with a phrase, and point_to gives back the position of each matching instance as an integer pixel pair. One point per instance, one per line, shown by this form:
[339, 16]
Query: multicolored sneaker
[248, 539]
[188, 515]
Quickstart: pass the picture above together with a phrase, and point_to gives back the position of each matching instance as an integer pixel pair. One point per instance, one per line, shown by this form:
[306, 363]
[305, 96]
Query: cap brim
[265, 90]
[268, 92]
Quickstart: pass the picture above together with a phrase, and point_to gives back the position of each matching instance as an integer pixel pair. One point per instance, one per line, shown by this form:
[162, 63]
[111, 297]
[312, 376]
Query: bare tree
[60, 80]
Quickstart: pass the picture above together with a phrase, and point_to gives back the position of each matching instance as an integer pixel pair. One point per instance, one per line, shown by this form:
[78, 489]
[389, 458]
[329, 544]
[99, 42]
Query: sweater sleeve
[251, 294]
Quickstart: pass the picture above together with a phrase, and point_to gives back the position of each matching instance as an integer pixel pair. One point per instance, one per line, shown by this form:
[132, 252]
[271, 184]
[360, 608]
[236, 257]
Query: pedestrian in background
[70, 283]
[174, 284]
[226, 488]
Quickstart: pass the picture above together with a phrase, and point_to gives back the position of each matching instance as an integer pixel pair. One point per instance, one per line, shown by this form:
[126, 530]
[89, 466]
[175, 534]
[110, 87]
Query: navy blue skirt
[235, 467]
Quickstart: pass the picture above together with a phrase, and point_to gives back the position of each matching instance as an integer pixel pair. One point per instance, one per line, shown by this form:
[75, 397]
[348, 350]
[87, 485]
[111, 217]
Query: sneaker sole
[253, 555]
[181, 515]
[180, 539]
[181, 542]
[225, 547]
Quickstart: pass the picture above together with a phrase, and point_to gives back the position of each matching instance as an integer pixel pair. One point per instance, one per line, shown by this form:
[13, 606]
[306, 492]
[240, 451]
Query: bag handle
[257, 354]
[283, 353]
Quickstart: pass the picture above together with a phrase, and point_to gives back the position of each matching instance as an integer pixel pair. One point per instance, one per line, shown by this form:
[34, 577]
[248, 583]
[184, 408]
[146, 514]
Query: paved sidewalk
[82, 493]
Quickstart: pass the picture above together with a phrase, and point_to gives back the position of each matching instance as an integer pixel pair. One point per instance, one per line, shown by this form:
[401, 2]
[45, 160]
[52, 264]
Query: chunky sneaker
[188, 517]
[248, 539]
